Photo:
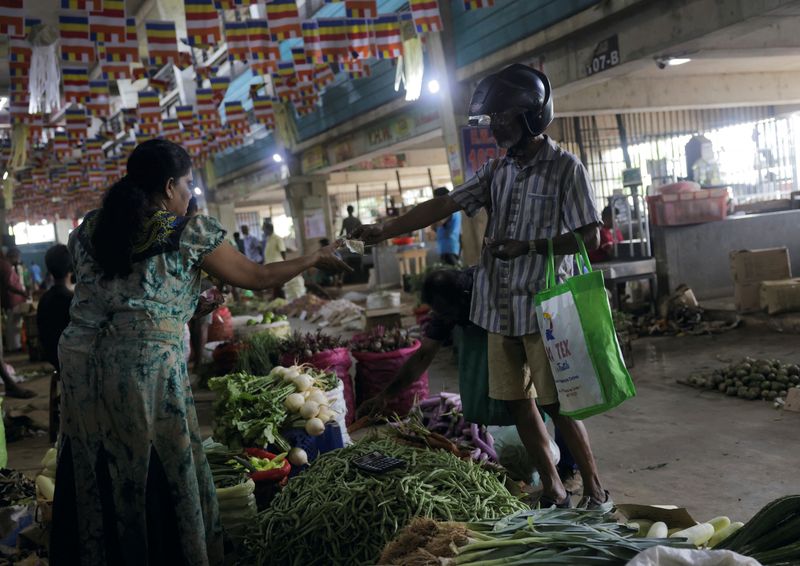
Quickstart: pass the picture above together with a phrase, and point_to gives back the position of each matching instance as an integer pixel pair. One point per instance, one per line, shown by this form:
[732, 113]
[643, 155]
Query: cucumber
[724, 533]
[658, 530]
[719, 523]
[697, 535]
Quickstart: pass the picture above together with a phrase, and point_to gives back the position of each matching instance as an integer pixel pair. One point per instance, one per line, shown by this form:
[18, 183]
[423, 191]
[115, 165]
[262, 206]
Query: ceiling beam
[630, 94]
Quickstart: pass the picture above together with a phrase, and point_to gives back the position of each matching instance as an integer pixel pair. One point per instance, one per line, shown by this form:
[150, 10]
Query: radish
[315, 427]
[303, 382]
[297, 457]
[294, 402]
[309, 410]
[318, 397]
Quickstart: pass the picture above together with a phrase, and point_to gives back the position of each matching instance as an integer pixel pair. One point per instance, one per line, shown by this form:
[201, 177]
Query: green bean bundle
[337, 514]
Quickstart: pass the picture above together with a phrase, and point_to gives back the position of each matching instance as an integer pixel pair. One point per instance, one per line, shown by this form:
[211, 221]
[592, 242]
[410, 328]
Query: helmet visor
[496, 119]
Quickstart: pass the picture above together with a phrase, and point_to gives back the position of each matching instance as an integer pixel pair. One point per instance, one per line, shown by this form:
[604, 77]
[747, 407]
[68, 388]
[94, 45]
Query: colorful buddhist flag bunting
[387, 41]
[361, 8]
[236, 34]
[171, 129]
[333, 41]
[12, 18]
[112, 70]
[162, 43]
[219, 85]
[207, 114]
[356, 68]
[358, 35]
[206, 72]
[263, 111]
[61, 145]
[475, 4]
[303, 67]
[90, 5]
[77, 123]
[264, 53]
[138, 73]
[18, 103]
[74, 168]
[284, 21]
[99, 97]
[161, 86]
[93, 152]
[227, 4]
[202, 23]
[185, 115]
[126, 51]
[426, 15]
[108, 24]
[323, 75]
[235, 116]
[76, 84]
[149, 111]
[311, 40]
[76, 45]
[19, 51]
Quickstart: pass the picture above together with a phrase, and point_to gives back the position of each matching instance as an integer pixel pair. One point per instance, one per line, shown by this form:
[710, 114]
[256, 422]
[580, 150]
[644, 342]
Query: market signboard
[605, 56]
[477, 147]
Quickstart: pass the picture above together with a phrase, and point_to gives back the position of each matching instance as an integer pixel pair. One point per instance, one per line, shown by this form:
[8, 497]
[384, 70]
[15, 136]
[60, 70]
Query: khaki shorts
[510, 380]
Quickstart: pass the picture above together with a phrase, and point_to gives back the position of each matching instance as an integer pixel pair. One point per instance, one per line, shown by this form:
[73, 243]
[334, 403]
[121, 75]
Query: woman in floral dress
[133, 484]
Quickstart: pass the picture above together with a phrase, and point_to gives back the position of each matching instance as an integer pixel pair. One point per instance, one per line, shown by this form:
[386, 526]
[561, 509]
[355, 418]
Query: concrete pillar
[453, 102]
[62, 229]
[225, 213]
[310, 207]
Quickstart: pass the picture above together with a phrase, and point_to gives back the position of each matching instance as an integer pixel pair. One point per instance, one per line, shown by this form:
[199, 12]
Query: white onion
[291, 374]
[294, 402]
[309, 410]
[315, 427]
[325, 414]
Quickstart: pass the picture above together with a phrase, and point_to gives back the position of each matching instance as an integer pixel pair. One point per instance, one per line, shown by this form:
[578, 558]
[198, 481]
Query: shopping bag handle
[581, 258]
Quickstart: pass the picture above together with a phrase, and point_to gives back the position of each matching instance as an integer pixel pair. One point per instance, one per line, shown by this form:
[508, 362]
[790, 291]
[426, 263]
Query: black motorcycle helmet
[515, 87]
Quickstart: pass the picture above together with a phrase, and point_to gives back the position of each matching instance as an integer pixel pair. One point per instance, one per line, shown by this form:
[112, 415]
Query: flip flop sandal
[547, 502]
[588, 502]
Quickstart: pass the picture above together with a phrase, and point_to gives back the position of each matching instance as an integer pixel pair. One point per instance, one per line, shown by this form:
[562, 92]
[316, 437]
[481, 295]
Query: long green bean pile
[336, 514]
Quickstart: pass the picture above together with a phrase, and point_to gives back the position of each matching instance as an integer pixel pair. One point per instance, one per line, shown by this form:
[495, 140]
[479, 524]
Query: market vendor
[537, 193]
[449, 294]
[134, 486]
[608, 237]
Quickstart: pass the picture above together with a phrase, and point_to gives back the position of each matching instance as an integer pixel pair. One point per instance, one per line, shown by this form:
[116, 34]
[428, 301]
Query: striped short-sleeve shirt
[540, 199]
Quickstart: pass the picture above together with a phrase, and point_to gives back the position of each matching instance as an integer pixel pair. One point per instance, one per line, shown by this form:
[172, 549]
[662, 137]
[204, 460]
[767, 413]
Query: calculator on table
[378, 463]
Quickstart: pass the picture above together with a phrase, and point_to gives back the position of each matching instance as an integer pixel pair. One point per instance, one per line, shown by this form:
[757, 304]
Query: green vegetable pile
[540, 536]
[772, 536]
[750, 379]
[258, 354]
[268, 318]
[335, 514]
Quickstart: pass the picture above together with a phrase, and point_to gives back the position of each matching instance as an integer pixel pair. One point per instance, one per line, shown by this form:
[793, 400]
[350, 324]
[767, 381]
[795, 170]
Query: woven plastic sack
[337, 361]
[667, 556]
[376, 370]
[339, 407]
[3, 449]
[221, 327]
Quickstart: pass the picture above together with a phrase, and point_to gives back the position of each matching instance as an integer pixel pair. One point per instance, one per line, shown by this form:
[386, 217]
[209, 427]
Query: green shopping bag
[473, 380]
[581, 342]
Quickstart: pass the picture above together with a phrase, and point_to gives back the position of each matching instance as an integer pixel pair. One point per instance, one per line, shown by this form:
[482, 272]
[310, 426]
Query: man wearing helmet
[537, 192]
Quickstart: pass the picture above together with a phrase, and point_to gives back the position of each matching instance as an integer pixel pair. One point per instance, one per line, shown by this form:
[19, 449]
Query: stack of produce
[545, 536]
[46, 480]
[749, 379]
[250, 410]
[336, 514]
[308, 304]
[772, 536]
[336, 313]
[380, 354]
[303, 348]
[235, 489]
[442, 414]
[258, 354]
[15, 488]
[326, 353]
[267, 317]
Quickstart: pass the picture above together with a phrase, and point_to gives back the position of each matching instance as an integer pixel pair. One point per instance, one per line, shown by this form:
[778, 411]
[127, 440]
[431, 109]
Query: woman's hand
[327, 259]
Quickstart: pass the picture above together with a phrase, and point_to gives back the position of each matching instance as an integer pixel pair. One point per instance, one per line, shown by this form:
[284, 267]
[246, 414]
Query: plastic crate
[693, 207]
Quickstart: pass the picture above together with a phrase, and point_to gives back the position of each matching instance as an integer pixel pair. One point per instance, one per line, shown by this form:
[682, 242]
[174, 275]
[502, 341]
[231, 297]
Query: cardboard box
[792, 400]
[750, 267]
[780, 296]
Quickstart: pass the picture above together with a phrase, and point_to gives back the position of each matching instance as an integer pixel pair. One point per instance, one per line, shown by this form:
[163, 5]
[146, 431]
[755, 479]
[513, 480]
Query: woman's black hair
[441, 284]
[129, 201]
